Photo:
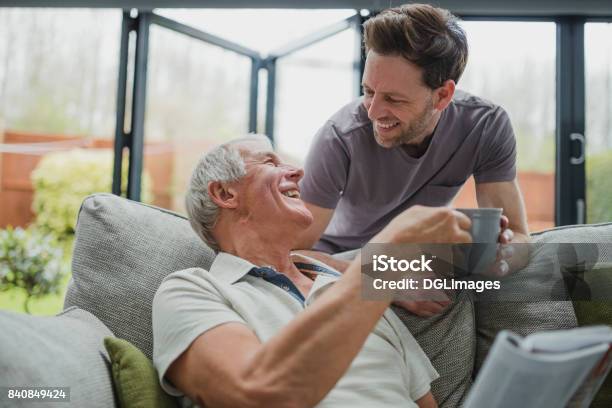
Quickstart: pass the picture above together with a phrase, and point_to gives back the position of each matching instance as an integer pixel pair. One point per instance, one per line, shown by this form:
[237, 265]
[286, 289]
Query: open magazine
[548, 369]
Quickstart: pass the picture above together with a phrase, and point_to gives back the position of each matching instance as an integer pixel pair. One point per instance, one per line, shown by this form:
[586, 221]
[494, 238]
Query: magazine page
[594, 381]
[566, 340]
[514, 377]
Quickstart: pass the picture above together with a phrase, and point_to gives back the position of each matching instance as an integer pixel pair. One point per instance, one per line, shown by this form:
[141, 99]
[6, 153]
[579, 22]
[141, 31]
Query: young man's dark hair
[427, 36]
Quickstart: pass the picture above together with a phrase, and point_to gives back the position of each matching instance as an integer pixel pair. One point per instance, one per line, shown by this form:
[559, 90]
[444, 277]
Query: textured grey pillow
[528, 317]
[449, 340]
[122, 252]
[66, 350]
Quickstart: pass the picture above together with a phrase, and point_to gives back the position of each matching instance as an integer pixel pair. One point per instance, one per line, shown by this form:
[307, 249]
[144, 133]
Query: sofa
[124, 249]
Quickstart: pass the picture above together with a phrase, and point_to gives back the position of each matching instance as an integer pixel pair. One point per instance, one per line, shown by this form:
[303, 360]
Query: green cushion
[598, 311]
[134, 377]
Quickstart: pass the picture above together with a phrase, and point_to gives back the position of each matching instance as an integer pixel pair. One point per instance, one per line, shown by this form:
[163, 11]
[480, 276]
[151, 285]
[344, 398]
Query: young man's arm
[325, 176]
[507, 195]
[229, 366]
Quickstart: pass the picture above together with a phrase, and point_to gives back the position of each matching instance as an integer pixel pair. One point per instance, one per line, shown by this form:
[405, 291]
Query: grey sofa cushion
[528, 317]
[61, 351]
[122, 252]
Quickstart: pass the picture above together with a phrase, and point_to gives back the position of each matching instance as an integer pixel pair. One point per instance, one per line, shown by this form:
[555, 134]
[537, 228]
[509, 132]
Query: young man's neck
[418, 147]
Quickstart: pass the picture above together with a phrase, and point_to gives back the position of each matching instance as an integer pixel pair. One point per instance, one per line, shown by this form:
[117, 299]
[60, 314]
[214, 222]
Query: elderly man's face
[270, 189]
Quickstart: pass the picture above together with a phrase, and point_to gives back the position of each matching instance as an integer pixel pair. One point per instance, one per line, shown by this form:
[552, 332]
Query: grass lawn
[13, 300]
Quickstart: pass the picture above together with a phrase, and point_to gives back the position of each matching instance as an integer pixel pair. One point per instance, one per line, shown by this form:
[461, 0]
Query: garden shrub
[31, 261]
[62, 180]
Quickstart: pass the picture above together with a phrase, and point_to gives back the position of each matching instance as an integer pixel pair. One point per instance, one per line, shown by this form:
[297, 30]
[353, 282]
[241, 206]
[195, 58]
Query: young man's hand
[338, 264]
[424, 308]
[505, 251]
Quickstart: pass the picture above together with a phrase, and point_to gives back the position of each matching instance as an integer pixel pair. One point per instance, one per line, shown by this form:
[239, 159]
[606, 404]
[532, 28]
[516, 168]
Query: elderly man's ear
[223, 194]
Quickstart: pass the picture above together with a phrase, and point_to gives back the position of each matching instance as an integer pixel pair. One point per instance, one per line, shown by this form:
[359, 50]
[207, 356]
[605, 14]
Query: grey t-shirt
[368, 185]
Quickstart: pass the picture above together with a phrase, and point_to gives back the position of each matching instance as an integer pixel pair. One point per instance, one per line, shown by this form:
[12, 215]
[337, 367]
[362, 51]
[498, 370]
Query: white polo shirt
[390, 370]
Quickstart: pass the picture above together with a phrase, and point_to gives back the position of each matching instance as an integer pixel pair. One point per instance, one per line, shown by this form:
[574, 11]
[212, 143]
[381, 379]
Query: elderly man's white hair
[225, 164]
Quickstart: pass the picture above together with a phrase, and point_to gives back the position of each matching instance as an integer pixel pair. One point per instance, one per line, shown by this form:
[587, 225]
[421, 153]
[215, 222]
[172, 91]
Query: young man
[265, 328]
[412, 139]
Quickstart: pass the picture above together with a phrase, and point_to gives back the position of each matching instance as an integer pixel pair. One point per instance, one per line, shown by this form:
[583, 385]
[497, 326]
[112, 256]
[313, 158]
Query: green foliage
[30, 261]
[599, 187]
[63, 179]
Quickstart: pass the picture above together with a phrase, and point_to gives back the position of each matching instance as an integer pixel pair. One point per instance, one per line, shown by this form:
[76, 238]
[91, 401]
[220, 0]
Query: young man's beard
[414, 131]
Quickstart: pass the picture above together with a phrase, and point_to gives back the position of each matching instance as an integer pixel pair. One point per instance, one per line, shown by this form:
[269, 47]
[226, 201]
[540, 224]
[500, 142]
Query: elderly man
[264, 327]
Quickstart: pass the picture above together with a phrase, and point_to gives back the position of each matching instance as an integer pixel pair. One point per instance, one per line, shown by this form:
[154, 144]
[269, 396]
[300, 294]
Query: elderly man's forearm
[307, 358]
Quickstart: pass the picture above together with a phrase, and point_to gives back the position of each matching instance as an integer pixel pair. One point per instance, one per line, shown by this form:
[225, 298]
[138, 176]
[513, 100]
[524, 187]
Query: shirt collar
[230, 268]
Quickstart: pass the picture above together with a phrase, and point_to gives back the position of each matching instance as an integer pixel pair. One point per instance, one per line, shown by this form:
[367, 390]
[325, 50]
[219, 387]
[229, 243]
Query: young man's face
[399, 104]
[270, 194]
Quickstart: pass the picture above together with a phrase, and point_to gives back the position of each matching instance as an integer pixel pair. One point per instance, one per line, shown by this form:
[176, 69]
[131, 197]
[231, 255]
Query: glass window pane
[312, 85]
[522, 80]
[598, 69]
[58, 82]
[260, 30]
[58, 70]
[197, 96]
